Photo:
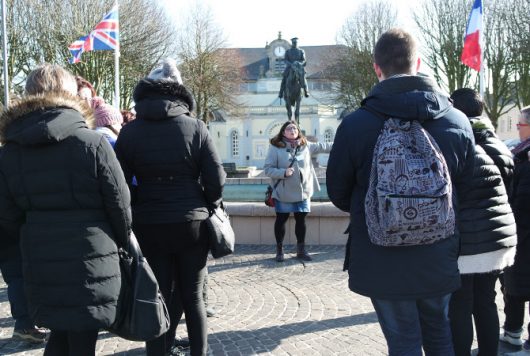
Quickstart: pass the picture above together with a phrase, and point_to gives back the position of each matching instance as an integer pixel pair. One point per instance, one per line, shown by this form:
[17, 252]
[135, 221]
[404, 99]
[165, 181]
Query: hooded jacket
[410, 272]
[486, 223]
[172, 156]
[517, 277]
[63, 195]
[301, 185]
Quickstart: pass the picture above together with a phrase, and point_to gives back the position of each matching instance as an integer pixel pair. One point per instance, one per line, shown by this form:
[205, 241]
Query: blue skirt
[303, 206]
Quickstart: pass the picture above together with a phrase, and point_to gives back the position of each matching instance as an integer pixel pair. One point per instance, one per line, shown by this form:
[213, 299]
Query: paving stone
[265, 308]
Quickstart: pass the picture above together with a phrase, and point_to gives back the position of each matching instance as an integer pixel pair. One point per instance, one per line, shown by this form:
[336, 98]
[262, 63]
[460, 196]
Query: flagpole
[117, 67]
[481, 73]
[4, 51]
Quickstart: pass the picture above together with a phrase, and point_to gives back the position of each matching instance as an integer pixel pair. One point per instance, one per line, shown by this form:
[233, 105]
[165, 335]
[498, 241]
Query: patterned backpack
[409, 194]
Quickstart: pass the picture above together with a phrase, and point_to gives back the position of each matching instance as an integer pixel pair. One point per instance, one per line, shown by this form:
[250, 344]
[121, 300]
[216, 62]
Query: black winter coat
[62, 193]
[172, 156]
[486, 223]
[398, 272]
[517, 277]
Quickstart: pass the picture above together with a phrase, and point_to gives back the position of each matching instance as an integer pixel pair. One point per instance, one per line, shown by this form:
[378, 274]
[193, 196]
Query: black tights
[299, 227]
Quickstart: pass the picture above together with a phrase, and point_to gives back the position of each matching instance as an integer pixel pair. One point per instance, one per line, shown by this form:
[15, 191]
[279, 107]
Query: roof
[318, 59]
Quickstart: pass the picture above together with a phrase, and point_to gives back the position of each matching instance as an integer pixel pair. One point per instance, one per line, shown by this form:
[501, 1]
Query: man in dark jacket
[517, 277]
[409, 286]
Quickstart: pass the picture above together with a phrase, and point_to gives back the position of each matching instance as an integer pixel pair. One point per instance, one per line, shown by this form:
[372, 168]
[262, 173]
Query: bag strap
[386, 117]
[290, 165]
[375, 112]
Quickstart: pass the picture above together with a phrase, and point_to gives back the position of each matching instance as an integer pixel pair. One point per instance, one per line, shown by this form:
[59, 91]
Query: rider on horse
[291, 55]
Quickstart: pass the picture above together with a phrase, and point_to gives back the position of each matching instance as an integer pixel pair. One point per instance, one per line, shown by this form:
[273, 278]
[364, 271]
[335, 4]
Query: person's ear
[418, 65]
[378, 72]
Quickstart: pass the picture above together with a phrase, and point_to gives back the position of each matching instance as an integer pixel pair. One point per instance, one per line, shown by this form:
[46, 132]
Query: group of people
[70, 171]
[427, 295]
[69, 174]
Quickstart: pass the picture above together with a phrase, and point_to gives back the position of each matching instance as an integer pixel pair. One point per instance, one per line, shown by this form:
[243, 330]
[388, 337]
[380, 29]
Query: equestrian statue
[293, 79]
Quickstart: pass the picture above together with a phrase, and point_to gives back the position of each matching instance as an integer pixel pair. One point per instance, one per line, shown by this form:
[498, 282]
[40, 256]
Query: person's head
[395, 53]
[524, 123]
[289, 131]
[106, 115]
[468, 101]
[166, 70]
[85, 90]
[128, 116]
[50, 78]
[294, 42]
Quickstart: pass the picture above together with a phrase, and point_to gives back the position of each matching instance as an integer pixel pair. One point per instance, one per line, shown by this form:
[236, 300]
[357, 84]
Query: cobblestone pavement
[264, 308]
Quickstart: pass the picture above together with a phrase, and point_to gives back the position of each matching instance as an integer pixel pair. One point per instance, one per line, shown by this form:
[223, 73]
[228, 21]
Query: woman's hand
[289, 171]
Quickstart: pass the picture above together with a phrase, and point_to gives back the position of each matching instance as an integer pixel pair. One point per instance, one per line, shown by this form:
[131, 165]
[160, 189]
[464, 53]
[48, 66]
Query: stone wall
[253, 223]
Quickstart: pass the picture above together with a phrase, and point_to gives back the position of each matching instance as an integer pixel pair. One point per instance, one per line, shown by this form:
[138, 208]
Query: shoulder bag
[141, 314]
[221, 236]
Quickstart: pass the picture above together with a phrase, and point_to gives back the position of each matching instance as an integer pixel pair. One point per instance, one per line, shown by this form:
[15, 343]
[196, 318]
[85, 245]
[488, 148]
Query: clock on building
[279, 51]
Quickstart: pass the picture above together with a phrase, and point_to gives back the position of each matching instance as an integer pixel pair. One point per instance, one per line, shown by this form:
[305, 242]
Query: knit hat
[105, 114]
[166, 70]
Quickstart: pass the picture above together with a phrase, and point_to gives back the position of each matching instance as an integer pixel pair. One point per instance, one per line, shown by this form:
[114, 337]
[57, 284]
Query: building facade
[243, 138]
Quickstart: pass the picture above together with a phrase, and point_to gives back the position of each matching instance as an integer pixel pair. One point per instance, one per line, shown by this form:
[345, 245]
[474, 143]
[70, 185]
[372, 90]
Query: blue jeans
[409, 324]
[11, 269]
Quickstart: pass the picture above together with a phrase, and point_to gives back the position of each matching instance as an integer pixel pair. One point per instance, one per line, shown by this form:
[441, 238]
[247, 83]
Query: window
[234, 138]
[328, 136]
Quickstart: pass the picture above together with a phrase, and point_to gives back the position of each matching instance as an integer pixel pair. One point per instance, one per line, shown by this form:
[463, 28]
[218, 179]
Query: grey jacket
[303, 182]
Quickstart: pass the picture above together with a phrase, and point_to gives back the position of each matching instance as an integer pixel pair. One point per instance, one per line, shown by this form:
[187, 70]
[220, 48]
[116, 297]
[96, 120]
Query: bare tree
[40, 31]
[499, 61]
[519, 43]
[442, 25]
[353, 66]
[211, 73]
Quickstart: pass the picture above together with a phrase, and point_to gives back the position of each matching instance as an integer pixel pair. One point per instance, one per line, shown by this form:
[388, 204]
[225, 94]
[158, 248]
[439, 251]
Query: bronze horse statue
[293, 90]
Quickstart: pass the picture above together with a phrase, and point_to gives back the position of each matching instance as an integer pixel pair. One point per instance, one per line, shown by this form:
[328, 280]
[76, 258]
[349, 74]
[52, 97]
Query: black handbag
[142, 314]
[221, 236]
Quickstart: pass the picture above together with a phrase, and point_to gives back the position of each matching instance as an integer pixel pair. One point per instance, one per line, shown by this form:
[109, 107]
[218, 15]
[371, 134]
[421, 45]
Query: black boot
[301, 252]
[279, 253]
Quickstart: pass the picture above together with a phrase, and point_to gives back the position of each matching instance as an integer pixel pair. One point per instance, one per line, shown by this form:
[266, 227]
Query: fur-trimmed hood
[160, 99]
[44, 118]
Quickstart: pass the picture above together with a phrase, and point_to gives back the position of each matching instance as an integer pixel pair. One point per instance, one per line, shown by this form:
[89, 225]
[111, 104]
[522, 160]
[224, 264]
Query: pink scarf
[294, 143]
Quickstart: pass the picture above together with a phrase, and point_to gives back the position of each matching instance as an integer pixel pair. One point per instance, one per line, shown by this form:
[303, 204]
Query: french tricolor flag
[472, 51]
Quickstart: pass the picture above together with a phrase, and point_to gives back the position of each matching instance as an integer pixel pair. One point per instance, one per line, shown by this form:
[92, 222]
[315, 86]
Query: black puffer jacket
[517, 277]
[62, 191]
[486, 223]
[168, 151]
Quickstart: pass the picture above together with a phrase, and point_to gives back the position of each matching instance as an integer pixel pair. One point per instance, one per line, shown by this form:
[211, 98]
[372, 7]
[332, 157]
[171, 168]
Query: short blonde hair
[49, 78]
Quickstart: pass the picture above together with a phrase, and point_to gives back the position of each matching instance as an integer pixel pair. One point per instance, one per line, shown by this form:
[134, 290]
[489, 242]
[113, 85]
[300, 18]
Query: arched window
[328, 136]
[234, 140]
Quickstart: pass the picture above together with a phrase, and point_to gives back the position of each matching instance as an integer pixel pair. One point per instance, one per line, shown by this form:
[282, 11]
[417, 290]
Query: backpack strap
[375, 112]
[386, 117]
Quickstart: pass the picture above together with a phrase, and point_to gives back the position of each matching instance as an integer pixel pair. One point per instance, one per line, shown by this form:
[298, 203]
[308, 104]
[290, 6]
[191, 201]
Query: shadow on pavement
[269, 338]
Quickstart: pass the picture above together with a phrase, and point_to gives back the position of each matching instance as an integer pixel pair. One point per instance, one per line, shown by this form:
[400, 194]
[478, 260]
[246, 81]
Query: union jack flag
[104, 37]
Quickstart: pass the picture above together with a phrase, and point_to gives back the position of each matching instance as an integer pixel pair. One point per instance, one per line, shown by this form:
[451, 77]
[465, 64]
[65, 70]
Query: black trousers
[176, 311]
[71, 343]
[475, 300]
[177, 254]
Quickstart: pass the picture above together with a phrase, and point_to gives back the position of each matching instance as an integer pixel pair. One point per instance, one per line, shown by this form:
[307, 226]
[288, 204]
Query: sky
[251, 23]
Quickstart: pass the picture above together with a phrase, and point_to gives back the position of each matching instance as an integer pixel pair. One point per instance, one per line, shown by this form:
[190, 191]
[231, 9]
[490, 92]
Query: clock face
[279, 51]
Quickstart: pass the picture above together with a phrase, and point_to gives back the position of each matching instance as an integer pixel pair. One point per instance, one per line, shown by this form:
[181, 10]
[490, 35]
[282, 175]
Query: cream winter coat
[303, 182]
